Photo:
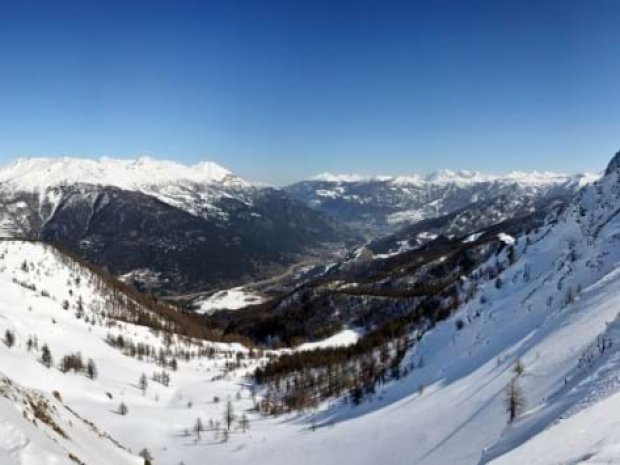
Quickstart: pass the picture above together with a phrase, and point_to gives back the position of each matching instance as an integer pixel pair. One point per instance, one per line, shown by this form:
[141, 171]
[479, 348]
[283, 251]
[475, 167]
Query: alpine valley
[157, 313]
[165, 226]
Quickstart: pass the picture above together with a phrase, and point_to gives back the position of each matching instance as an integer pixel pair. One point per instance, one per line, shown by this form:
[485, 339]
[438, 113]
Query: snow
[37, 174]
[230, 299]
[345, 337]
[472, 237]
[591, 436]
[464, 177]
[506, 238]
[196, 188]
[450, 409]
[406, 216]
[331, 194]
[154, 419]
[558, 301]
[338, 178]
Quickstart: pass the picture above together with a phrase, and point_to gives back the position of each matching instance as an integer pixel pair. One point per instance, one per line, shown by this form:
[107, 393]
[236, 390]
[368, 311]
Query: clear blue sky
[278, 91]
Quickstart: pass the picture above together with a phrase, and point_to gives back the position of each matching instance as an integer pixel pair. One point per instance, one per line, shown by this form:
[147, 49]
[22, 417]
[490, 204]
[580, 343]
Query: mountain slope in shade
[383, 204]
[180, 228]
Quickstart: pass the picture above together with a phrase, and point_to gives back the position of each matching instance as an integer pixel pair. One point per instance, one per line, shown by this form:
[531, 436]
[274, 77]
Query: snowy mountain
[381, 205]
[535, 326]
[40, 173]
[171, 227]
[502, 349]
[472, 219]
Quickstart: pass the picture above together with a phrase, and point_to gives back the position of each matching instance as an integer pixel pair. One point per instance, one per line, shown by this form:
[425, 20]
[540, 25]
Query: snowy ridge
[443, 177]
[37, 174]
[39, 429]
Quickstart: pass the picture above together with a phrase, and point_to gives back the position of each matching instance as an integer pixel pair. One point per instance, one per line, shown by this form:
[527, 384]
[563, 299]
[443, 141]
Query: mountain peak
[38, 173]
[614, 164]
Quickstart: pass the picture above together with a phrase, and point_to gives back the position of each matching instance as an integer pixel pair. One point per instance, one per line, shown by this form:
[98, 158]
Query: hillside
[51, 301]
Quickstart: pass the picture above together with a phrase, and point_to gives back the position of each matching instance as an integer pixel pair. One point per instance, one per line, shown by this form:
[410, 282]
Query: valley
[309, 232]
[384, 353]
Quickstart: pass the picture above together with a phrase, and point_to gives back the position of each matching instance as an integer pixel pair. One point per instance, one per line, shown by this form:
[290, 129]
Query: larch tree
[515, 401]
[198, 428]
[229, 415]
[143, 383]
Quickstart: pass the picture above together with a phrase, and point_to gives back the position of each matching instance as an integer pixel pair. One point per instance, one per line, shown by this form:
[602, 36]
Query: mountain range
[381, 205]
[488, 345]
[163, 225]
[485, 335]
[170, 228]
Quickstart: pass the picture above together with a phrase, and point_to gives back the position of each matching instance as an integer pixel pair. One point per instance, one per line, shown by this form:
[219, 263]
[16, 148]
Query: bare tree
[519, 368]
[198, 428]
[244, 423]
[515, 402]
[229, 415]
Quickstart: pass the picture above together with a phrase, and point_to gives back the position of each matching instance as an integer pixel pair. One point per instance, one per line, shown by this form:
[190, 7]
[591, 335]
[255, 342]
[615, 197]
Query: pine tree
[122, 409]
[9, 338]
[46, 356]
[146, 455]
[143, 383]
[91, 369]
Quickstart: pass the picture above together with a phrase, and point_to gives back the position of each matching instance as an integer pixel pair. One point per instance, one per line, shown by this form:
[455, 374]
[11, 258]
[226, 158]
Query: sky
[278, 91]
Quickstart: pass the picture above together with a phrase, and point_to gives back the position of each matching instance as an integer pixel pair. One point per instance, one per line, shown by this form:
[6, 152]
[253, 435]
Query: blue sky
[281, 90]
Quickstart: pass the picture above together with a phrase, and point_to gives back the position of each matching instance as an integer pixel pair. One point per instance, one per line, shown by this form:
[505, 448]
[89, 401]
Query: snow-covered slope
[542, 314]
[39, 429]
[543, 317]
[37, 174]
[48, 300]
